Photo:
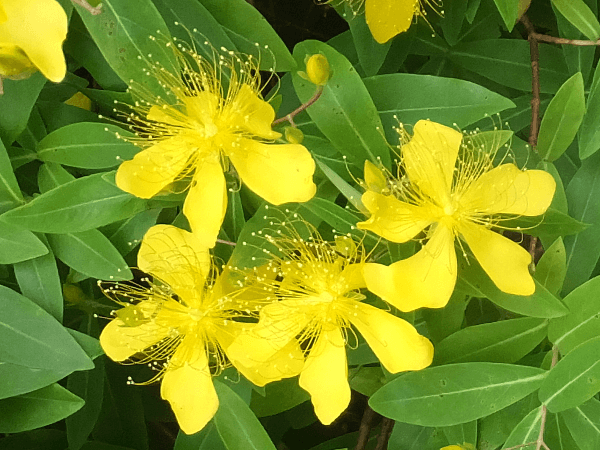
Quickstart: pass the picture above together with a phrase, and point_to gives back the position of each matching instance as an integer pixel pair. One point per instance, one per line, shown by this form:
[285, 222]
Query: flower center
[196, 314]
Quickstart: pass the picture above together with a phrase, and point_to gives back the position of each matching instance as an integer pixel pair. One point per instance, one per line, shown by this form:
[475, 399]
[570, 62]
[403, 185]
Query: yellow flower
[314, 287]
[387, 18]
[450, 188]
[459, 447]
[180, 322]
[31, 37]
[212, 116]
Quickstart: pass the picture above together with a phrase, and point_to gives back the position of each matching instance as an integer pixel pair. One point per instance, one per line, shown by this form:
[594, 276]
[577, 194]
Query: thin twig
[533, 240]
[222, 241]
[535, 81]
[387, 425]
[1, 87]
[94, 10]
[557, 40]
[365, 428]
[299, 109]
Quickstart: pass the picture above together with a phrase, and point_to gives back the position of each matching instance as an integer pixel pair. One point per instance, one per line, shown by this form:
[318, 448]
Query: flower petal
[39, 28]
[178, 258]
[392, 219]
[120, 341]
[250, 112]
[426, 279]
[278, 173]
[206, 202]
[388, 18]
[508, 190]
[154, 168]
[506, 262]
[3, 16]
[325, 376]
[188, 387]
[430, 157]
[395, 341]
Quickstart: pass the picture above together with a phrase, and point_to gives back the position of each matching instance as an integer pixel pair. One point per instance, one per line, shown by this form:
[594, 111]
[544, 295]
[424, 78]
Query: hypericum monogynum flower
[314, 287]
[212, 120]
[450, 189]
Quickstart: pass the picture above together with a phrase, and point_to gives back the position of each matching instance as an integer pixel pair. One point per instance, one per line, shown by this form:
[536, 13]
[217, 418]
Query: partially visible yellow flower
[212, 120]
[31, 37]
[450, 189]
[180, 322]
[80, 100]
[459, 447]
[387, 18]
[317, 284]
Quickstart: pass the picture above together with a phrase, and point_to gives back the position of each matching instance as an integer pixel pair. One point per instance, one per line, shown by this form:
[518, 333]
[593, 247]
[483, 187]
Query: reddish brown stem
[535, 81]
[387, 425]
[365, 428]
[94, 10]
[298, 110]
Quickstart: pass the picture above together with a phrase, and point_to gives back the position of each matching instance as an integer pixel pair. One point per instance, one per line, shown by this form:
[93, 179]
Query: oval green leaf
[583, 422]
[581, 16]
[562, 119]
[455, 393]
[574, 380]
[18, 245]
[526, 431]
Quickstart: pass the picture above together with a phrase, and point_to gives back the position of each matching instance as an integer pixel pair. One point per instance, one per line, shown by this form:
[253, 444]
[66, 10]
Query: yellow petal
[251, 113]
[152, 169]
[395, 341]
[121, 342]
[388, 18]
[508, 190]
[392, 219]
[178, 258]
[374, 178]
[278, 173]
[325, 376]
[351, 278]
[503, 260]
[206, 202]
[426, 279]
[39, 28]
[429, 159]
[3, 16]
[188, 387]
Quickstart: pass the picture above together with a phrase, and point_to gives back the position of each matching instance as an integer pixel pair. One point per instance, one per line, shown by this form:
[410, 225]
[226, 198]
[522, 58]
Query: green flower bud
[293, 135]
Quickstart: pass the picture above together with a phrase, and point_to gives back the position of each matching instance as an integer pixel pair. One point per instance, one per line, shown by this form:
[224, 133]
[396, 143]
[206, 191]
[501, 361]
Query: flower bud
[293, 135]
[73, 294]
[317, 69]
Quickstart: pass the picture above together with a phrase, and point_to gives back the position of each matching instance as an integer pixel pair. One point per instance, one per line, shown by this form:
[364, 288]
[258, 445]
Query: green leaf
[39, 281]
[442, 322]
[583, 323]
[583, 422]
[280, 396]
[455, 393]
[348, 191]
[476, 282]
[18, 379]
[194, 16]
[88, 385]
[589, 135]
[551, 269]
[236, 423]
[448, 101]
[246, 27]
[31, 337]
[52, 175]
[454, 15]
[574, 379]
[559, 202]
[87, 145]
[462, 433]
[206, 439]
[16, 104]
[234, 219]
[583, 249]
[342, 220]
[366, 380]
[42, 439]
[345, 112]
[580, 15]
[79, 205]
[562, 119]
[122, 32]
[37, 409]
[506, 341]
[90, 345]
[370, 53]
[127, 234]
[91, 253]
[509, 10]
[18, 245]
[507, 62]
[10, 192]
[526, 431]
[553, 222]
[557, 435]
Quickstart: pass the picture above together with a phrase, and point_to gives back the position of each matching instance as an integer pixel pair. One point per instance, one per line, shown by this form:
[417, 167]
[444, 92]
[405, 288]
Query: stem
[93, 10]
[221, 241]
[1, 87]
[298, 110]
[365, 428]
[387, 425]
[532, 246]
[535, 81]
